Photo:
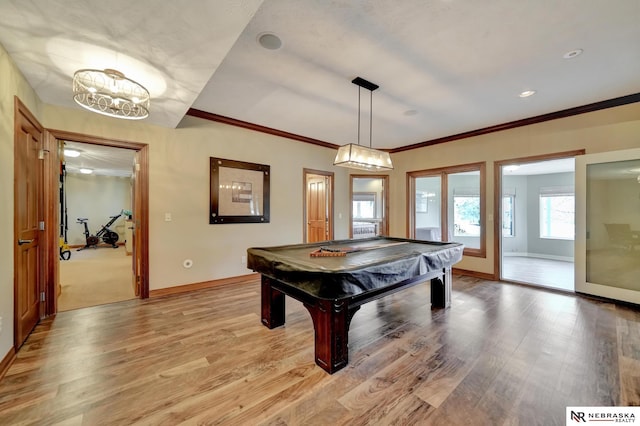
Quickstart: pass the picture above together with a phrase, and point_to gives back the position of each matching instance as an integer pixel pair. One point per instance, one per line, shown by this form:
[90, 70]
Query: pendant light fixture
[110, 93]
[361, 157]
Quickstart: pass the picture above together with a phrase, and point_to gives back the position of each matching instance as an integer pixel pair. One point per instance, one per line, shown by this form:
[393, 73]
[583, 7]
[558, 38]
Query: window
[422, 202]
[508, 224]
[364, 205]
[557, 213]
[466, 216]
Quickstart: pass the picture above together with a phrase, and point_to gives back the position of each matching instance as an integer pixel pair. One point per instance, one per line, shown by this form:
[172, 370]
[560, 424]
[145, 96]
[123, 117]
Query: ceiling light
[527, 93]
[71, 153]
[357, 156]
[86, 171]
[572, 54]
[110, 93]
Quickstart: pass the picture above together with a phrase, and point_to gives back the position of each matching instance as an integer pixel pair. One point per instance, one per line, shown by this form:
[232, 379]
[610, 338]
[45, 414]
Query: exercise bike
[105, 233]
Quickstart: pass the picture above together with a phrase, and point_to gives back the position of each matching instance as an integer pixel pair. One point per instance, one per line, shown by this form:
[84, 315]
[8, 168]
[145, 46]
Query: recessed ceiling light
[71, 153]
[572, 53]
[527, 93]
[269, 41]
[86, 171]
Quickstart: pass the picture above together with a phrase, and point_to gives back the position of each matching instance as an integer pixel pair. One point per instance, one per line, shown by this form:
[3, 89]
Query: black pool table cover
[376, 263]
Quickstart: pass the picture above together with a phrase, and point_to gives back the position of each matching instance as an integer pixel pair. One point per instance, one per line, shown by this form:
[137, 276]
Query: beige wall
[607, 130]
[96, 198]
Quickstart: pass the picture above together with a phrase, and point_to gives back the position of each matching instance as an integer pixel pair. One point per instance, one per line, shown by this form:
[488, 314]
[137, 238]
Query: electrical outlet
[243, 260]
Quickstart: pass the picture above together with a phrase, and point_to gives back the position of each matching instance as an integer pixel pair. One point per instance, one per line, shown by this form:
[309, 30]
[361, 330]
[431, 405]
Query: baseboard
[7, 361]
[202, 285]
[515, 254]
[538, 256]
[474, 274]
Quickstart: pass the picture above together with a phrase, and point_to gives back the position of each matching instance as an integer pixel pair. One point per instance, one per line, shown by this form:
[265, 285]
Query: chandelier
[110, 93]
[357, 156]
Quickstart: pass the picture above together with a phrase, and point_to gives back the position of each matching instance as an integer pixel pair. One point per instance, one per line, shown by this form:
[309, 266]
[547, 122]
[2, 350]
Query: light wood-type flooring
[503, 354]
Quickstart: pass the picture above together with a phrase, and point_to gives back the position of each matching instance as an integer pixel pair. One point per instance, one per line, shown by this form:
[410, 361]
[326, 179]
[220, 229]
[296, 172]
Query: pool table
[334, 278]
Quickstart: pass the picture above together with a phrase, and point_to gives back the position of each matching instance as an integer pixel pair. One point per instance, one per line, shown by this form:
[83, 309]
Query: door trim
[143, 150]
[329, 175]
[497, 198]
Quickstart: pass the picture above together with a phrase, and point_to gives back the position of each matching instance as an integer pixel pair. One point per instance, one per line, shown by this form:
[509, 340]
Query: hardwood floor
[503, 354]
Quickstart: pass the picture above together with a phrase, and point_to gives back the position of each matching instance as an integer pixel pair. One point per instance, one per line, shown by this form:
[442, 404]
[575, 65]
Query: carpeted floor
[95, 277]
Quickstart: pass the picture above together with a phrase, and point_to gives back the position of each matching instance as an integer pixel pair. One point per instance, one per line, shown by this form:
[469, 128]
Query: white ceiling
[172, 48]
[444, 66]
[102, 160]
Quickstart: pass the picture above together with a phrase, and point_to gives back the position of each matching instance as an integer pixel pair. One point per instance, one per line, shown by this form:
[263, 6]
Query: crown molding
[596, 106]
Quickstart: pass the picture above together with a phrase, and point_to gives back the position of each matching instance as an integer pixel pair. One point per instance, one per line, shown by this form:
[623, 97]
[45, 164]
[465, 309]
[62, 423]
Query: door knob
[21, 242]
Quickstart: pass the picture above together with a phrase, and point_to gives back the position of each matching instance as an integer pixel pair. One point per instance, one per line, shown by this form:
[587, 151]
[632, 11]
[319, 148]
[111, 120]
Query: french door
[607, 245]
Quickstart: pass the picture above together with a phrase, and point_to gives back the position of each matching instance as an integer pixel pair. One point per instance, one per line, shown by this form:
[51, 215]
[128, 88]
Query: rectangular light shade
[362, 158]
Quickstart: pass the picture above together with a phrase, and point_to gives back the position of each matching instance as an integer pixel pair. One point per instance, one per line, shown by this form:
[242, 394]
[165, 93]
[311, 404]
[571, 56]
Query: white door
[607, 245]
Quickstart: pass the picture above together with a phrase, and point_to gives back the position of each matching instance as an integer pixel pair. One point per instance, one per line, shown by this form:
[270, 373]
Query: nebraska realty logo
[602, 415]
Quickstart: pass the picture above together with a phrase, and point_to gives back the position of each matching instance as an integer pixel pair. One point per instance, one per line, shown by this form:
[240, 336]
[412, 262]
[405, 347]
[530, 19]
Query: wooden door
[27, 218]
[317, 217]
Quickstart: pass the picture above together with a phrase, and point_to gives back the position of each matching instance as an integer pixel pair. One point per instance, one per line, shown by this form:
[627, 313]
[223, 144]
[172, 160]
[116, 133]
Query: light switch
[167, 217]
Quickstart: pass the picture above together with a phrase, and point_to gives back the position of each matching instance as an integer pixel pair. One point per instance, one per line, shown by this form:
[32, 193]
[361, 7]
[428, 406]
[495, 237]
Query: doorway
[96, 207]
[134, 220]
[318, 205]
[536, 216]
[369, 209]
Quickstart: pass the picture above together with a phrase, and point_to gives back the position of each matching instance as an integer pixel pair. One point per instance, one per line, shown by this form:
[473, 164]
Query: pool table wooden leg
[272, 304]
[331, 324]
[441, 290]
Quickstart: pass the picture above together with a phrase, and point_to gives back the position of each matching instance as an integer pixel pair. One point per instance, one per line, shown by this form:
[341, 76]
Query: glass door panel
[427, 220]
[608, 225]
[464, 212]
